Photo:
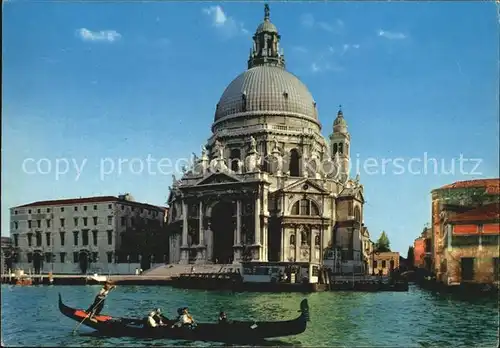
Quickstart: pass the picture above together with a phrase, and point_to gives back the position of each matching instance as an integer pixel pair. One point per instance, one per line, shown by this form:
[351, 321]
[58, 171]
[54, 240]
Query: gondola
[229, 332]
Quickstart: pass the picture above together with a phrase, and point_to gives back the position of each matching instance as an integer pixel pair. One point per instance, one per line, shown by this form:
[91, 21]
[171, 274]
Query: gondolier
[98, 304]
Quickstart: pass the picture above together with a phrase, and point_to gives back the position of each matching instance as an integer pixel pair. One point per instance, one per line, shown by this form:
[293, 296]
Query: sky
[92, 91]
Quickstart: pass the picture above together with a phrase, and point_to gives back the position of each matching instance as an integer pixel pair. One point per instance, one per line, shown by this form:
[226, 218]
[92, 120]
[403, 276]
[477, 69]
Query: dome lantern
[266, 50]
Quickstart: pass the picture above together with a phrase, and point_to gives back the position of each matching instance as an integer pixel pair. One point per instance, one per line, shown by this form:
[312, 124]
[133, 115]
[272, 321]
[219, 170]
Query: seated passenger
[185, 319]
[222, 318]
[155, 318]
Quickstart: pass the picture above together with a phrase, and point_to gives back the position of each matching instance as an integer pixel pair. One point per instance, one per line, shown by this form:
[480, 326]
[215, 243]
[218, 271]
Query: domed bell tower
[340, 143]
[266, 50]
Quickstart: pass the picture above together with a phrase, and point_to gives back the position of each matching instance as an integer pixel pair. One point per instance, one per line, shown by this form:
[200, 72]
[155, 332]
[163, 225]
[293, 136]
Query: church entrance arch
[223, 231]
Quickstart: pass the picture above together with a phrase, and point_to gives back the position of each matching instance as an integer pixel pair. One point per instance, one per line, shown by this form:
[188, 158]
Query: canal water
[30, 316]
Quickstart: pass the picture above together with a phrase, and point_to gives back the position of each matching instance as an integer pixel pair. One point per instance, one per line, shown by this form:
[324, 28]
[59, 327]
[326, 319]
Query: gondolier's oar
[93, 311]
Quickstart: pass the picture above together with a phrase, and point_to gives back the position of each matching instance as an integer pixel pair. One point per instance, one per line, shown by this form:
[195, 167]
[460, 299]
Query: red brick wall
[465, 229]
[419, 252]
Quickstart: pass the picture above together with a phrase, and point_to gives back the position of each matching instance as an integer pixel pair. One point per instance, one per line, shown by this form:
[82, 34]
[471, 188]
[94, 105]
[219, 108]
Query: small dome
[266, 88]
[266, 26]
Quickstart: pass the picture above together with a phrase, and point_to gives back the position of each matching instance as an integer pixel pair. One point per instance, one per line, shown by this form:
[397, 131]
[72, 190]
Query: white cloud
[322, 66]
[391, 35]
[307, 20]
[103, 35]
[225, 23]
[347, 47]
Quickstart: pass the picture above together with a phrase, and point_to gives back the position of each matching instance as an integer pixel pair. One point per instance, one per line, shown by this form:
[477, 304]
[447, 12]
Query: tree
[383, 244]
[410, 256]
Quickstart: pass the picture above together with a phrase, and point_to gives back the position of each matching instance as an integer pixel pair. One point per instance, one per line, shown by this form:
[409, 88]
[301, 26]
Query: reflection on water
[30, 316]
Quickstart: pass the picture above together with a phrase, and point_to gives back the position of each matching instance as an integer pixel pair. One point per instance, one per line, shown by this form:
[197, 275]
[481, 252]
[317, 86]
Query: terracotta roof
[99, 199]
[487, 212]
[492, 186]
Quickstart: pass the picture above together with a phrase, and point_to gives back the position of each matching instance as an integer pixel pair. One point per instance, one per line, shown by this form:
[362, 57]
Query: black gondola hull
[232, 331]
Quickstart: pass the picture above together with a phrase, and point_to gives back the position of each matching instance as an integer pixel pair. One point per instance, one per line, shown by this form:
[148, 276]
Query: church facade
[267, 185]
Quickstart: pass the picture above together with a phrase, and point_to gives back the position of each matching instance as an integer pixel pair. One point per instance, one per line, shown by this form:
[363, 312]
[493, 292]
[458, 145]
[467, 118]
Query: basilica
[267, 186]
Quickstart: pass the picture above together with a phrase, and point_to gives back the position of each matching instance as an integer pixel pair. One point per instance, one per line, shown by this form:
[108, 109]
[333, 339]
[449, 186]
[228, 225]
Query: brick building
[385, 262]
[466, 231]
[422, 250]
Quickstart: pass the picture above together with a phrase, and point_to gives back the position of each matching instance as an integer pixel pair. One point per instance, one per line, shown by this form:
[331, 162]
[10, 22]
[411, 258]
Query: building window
[95, 207]
[341, 149]
[384, 263]
[350, 208]
[110, 237]
[29, 211]
[75, 238]
[85, 221]
[375, 264]
[62, 257]
[467, 268]
[62, 222]
[335, 148]
[48, 223]
[29, 223]
[30, 239]
[294, 163]
[76, 208]
[234, 159]
[109, 206]
[357, 214]
[39, 211]
[47, 238]
[123, 207]
[61, 236]
[75, 221]
[75, 257]
[110, 256]
[62, 209]
[39, 223]
[30, 257]
[292, 239]
[95, 220]
[391, 264]
[304, 207]
[123, 221]
[110, 220]
[85, 238]
[48, 210]
[85, 208]
[16, 240]
[15, 212]
[94, 237]
[38, 239]
[95, 257]
[48, 257]
[16, 225]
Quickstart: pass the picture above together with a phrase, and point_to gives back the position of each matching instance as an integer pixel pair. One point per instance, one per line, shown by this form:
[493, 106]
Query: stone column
[298, 242]
[200, 229]
[257, 225]
[238, 222]
[312, 247]
[184, 245]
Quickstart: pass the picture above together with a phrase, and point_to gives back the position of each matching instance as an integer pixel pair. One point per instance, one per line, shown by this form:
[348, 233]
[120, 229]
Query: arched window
[292, 239]
[349, 208]
[357, 214]
[294, 163]
[341, 148]
[38, 239]
[335, 148]
[317, 240]
[305, 207]
[235, 156]
[243, 102]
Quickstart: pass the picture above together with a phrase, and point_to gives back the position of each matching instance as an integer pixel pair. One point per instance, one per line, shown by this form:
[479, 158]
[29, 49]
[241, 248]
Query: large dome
[266, 88]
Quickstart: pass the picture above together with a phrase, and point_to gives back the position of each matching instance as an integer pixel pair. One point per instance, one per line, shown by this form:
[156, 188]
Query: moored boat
[231, 331]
